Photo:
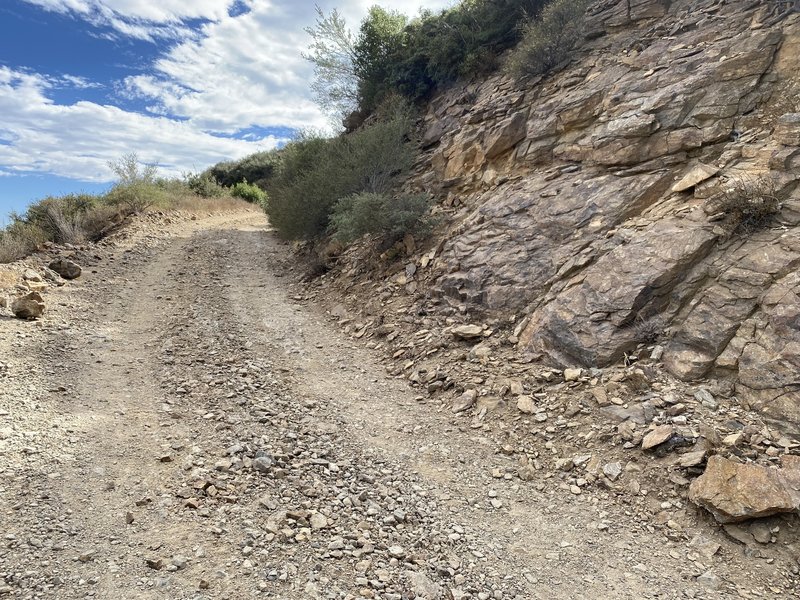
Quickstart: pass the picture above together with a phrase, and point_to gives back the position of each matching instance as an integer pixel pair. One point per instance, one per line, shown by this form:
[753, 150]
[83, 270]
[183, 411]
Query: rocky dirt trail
[184, 423]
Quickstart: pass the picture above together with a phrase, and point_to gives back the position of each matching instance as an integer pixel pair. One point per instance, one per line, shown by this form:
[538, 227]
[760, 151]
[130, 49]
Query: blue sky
[183, 83]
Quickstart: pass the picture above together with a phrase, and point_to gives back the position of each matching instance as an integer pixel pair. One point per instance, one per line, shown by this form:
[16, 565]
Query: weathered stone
[590, 322]
[31, 275]
[692, 459]
[263, 464]
[592, 248]
[761, 532]
[467, 332]
[29, 306]
[709, 581]
[657, 436]
[465, 401]
[505, 135]
[423, 587]
[318, 521]
[66, 268]
[735, 492]
[612, 470]
[706, 398]
[526, 405]
[697, 174]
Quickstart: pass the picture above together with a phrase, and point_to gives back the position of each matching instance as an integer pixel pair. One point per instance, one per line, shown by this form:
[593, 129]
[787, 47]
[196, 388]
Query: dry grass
[21, 238]
[19, 241]
[68, 229]
[11, 249]
[196, 204]
[8, 279]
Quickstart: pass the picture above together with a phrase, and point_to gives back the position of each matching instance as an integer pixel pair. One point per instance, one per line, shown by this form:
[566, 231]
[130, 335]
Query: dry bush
[102, 220]
[67, 229]
[197, 204]
[11, 249]
[19, 240]
[648, 330]
[749, 204]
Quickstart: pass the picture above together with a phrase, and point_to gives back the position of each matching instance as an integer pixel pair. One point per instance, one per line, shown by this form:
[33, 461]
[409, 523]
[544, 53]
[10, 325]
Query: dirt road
[182, 424]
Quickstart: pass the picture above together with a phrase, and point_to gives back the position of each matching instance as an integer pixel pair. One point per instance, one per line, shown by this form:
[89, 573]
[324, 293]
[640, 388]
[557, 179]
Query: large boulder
[66, 268]
[29, 306]
[733, 491]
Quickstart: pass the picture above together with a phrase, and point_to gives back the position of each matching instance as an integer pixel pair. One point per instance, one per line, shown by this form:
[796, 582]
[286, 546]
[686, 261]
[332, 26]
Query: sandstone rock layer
[589, 204]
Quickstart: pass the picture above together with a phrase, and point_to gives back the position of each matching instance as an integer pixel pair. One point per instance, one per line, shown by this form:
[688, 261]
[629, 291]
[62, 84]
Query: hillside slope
[592, 203]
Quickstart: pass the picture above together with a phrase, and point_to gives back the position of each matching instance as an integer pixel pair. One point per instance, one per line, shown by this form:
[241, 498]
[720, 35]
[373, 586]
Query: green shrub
[389, 217]
[257, 168]
[548, 40]
[394, 55]
[249, 192]
[379, 41]
[315, 171]
[136, 197]
[205, 185]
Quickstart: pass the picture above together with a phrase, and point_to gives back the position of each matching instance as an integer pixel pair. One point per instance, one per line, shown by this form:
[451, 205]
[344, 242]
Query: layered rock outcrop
[595, 203]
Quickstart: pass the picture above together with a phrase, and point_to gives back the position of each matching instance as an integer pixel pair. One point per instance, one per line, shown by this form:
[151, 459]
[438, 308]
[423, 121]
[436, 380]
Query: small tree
[136, 187]
[379, 40]
[335, 85]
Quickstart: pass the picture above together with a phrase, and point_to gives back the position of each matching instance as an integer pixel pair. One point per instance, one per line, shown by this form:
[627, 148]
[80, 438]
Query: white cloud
[78, 140]
[249, 69]
[158, 11]
[231, 74]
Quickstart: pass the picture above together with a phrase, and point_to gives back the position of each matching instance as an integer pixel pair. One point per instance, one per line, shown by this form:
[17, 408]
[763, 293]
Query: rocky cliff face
[591, 203]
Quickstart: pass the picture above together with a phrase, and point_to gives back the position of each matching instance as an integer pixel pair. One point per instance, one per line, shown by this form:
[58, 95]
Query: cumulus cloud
[248, 69]
[141, 19]
[160, 11]
[77, 140]
[238, 70]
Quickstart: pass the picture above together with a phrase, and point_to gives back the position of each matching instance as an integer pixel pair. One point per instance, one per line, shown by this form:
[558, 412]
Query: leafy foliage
[335, 85]
[256, 168]
[379, 41]
[205, 185]
[394, 55]
[316, 172]
[389, 217]
[549, 40]
[249, 192]
[136, 188]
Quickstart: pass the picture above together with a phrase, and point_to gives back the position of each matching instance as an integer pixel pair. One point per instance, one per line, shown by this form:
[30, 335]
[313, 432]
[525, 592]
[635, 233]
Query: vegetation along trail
[183, 424]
